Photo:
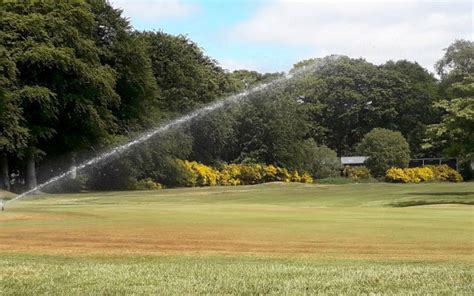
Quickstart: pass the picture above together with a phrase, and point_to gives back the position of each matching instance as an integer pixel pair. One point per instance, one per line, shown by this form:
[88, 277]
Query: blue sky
[272, 35]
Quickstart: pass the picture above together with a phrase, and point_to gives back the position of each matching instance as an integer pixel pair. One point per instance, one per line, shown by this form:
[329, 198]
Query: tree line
[76, 78]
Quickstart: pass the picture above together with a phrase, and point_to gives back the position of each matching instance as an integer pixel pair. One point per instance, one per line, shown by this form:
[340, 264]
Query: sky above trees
[272, 35]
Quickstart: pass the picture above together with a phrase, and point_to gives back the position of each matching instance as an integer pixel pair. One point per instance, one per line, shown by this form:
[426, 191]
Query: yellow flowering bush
[229, 175]
[271, 173]
[251, 174]
[306, 178]
[423, 174]
[239, 174]
[295, 177]
[203, 175]
[148, 184]
[356, 172]
[397, 175]
[445, 173]
[283, 175]
[417, 175]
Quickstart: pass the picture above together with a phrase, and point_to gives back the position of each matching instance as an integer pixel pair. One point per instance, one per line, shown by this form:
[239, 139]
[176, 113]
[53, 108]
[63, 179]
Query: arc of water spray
[176, 122]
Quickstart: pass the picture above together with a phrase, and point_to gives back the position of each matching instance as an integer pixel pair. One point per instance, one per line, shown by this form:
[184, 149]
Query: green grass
[228, 275]
[266, 239]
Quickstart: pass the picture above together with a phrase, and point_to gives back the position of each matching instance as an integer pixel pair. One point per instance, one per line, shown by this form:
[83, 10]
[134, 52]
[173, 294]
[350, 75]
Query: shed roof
[353, 159]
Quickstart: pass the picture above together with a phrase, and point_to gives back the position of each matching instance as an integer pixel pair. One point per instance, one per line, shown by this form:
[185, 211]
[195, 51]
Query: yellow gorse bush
[445, 173]
[147, 184]
[229, 175]
[424, 174]
[356, 172]
[239, 174]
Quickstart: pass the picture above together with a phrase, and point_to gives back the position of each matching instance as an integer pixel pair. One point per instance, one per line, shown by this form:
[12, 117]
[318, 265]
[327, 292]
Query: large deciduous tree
[455, 132]
[65, 91]
[416, 110]
[13, 135]
[186, 77]
[346, 98]
[82, 75]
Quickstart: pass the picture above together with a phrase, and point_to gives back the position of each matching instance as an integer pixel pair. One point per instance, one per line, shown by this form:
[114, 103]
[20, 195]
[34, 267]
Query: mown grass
[265, 239]
[228, 275]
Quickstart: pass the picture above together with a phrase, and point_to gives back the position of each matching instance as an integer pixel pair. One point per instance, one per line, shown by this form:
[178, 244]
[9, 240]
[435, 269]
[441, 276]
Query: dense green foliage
[384, 149]
[346, 98]
[321, 162]
[76, 78]
[455, 131]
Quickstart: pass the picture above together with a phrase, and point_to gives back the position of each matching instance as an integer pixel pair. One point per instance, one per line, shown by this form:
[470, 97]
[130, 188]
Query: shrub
[186, 173]
[173, 173]
[320, 162]
[283, 175]
[424, 174]
[237, 174]
[397, 175]
[229, 175]
[306, 178]
[385, 149]
[271, 173]
[203, 175]
[295, 177]
[410, 175]
[251, 174]
[68, 185]
[335, 180]
[148, 184]
[445, 173]
[356, 173]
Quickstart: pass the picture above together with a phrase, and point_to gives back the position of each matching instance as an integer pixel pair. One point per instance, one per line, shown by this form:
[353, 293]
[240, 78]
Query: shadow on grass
[412, 203]
[436, 198]
[442, 193]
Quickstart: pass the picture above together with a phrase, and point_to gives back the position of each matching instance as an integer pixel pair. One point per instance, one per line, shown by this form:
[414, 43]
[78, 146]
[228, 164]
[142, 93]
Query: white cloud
[154, 10]
[378, 31]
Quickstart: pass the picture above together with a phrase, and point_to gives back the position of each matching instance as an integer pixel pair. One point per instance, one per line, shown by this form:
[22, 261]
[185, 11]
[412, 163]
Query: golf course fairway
[274, 238]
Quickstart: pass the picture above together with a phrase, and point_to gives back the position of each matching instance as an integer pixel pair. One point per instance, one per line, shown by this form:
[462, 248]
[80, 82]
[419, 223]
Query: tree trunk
[73, 166]
[31, 173]
[4, 174]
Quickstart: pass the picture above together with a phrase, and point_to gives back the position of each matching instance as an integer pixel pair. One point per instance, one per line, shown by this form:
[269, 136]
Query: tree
[456, 63]
[82, 76]
[186, 77]
[270, 129]
[455, 132]
[346, 98]
[243, 79]
[66, 93]
[384, 149]
[215, 136]
[126, 52]
[416, 110]
[13, 136]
